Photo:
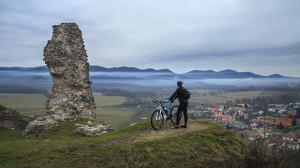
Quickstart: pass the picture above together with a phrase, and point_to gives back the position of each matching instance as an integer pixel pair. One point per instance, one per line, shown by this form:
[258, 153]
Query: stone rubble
[92, 129]
[40, 126]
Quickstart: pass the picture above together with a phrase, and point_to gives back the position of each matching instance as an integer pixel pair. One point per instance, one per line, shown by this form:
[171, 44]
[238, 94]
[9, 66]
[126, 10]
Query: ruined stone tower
[66, 59]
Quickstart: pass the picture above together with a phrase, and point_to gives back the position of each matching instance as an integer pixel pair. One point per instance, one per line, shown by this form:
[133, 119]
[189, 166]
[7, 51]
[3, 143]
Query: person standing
[183, 103]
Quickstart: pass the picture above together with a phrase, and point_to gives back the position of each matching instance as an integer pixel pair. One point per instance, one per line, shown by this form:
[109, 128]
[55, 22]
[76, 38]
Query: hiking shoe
[183, 126]
[175, 127]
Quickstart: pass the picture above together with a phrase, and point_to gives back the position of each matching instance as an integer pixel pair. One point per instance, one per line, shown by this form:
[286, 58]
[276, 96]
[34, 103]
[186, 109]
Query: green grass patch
[101, 100]
[34, 104]
[25, 104]
[113, 115]
[223, 98]
[209, 99]
[211, 147]
[247, 94]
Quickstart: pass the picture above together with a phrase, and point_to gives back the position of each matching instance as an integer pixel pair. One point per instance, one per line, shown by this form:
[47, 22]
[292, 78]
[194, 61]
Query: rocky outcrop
[71, 96]
[40, 126]
[11, 119]
[92, 128]
[66, 59]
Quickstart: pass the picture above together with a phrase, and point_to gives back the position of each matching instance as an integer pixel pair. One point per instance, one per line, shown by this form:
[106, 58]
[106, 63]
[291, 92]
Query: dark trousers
[182, 108]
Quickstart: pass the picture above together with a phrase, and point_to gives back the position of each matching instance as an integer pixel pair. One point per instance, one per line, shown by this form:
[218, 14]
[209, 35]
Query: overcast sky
[244, 35]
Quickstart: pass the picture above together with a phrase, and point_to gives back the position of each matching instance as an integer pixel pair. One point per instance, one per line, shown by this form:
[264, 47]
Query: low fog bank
[145, 80]
[198, 83]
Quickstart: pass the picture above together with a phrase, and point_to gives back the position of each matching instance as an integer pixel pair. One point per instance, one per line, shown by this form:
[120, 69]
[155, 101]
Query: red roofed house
[266, 131]
[218, 111]
[272, 123]
[285, 121]
[291, 145]
[291, 140]
[252, 135]
[200, 107]
[292, 112]
[272, 105]
[227, 118]
[291, 136]
[260, 120]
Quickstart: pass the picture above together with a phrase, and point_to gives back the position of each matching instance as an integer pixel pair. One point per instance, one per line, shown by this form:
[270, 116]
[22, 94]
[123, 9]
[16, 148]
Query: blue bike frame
[165, 109]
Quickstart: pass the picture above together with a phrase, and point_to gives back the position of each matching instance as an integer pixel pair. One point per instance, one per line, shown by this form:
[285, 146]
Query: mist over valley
[130, 77]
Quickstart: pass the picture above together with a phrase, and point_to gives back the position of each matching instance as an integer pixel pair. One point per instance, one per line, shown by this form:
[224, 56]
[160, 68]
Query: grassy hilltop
[203, 144]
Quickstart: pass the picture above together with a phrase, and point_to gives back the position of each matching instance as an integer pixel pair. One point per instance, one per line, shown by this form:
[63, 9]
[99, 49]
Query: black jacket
[179, 93]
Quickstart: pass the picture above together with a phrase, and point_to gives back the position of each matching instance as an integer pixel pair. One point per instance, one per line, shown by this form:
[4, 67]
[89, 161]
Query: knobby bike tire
[173, 114]
[157, 123]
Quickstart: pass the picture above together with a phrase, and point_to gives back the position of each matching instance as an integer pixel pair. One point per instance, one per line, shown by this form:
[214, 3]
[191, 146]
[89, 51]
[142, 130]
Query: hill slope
[203, 144]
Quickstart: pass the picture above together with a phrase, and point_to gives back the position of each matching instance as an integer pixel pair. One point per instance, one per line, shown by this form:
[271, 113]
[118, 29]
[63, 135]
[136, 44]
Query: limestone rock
[66, 59]
[71, 96]
[40, 126]
[92, 128]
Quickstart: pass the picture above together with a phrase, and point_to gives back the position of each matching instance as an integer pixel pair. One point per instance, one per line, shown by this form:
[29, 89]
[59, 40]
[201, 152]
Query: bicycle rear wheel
[173, 115]
[157, 119]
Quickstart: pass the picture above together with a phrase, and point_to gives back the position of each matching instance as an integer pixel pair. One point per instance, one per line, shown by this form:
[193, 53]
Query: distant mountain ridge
[94, 68]
[34, 69]
[228, 73]
[38, 79]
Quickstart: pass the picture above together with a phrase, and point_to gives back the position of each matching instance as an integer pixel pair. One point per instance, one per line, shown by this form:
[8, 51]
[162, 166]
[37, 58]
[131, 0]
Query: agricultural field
[101, 100]
[208, 99]
[217, 96]
[246, 94]
[109, 110]
[25, 104]
[34, 104]
[114, 116]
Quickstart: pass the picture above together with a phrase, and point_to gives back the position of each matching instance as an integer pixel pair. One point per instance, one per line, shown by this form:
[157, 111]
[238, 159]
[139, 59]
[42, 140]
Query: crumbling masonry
[66, 59]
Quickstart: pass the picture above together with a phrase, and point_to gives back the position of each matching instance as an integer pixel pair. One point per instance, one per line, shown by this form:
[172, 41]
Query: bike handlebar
[160, 101]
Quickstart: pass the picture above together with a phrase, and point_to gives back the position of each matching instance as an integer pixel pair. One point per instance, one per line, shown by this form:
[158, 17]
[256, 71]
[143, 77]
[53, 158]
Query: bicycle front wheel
[173, 115]
[157, 119]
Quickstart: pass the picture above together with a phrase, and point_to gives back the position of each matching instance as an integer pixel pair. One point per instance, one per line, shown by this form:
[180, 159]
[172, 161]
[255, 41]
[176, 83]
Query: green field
[34, 104]
[26, 104]
[109, 108]
[208, 99]
[106, 110]
[226, 96]
[247, 94]
[114, 116]
[101, 100]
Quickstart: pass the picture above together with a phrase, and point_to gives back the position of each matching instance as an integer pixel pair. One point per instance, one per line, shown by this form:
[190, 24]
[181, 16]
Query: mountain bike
[163, 113]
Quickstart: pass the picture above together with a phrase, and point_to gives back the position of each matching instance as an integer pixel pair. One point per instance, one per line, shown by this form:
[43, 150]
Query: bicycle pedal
[174, 127]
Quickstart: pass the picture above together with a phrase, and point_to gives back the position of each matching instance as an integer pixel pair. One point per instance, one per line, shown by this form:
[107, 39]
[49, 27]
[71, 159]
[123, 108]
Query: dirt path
[166, 131]
[151, 134]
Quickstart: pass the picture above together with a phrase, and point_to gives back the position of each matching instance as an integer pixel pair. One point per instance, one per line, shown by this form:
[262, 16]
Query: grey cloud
[146, 33]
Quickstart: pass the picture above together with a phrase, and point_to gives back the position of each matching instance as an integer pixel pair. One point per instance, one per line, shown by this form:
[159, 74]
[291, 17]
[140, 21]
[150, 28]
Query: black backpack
[187, 94]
